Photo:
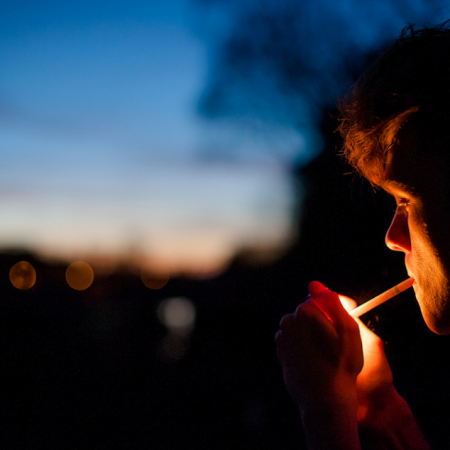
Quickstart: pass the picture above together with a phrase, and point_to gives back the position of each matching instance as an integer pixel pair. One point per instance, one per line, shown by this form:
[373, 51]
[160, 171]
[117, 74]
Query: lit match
[379, 299]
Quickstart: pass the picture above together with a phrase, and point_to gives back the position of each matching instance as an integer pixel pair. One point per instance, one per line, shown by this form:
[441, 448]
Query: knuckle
[305, 309]
[286, 322]
[278, 336]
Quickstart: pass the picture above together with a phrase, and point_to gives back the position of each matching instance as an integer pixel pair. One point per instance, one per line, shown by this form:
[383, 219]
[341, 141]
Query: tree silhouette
[286, 61]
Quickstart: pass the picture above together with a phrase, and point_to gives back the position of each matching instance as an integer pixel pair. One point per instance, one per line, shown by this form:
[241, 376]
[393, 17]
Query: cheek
[431, 272]
[435, 212]
[428, 260]
[435, 237]
[425, 261]
[422, 248]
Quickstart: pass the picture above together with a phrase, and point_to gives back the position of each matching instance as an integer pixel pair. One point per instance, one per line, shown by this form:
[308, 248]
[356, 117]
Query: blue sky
[101, 144]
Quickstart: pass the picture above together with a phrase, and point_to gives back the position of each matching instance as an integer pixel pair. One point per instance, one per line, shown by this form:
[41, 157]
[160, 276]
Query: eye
[403, 204]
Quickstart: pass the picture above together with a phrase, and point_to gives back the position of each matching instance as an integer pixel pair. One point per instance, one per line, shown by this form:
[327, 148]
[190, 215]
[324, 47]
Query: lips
[411, 275]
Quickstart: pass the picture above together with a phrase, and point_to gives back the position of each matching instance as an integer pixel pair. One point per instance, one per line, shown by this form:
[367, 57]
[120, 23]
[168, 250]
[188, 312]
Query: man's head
[411, 76]
[396, 127]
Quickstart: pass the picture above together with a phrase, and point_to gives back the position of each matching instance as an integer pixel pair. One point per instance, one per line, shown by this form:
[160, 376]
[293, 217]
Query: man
[396, 128]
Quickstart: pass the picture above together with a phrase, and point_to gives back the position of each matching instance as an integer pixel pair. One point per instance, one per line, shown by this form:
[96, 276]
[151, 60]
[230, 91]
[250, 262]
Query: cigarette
[379, 299]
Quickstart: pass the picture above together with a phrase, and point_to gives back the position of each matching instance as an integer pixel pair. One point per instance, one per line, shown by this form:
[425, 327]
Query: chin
[435, 307]
[437, 325]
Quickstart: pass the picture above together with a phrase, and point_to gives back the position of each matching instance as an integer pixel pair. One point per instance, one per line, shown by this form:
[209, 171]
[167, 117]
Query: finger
[315, 287]
[279, 339]
[375, 360]
[279, 345]
[348, 303]
[321, 308]
[286, 322]
[368, 337]
[328, 303]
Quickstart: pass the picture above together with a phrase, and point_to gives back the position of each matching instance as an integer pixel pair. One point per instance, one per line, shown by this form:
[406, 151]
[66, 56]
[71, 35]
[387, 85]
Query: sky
[104, 150]
[102, 147]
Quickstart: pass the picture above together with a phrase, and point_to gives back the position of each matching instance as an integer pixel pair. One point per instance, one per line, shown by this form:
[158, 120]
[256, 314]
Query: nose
[397, 237]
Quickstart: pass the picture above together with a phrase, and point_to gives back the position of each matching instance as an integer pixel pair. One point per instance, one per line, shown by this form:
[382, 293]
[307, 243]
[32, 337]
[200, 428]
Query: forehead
[412, 167]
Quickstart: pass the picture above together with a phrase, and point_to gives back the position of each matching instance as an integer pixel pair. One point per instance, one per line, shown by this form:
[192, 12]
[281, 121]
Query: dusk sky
[103, 149]
[100, 139]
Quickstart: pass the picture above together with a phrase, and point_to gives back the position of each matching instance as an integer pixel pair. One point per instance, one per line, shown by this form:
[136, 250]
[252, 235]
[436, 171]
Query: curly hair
[411, 76]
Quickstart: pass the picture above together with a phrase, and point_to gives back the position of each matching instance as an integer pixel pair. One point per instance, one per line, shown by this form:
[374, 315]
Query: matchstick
[366, 307]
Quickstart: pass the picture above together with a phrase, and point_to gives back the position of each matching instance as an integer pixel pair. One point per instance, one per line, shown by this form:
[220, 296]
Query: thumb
[369, 339]
[327, 301]
[315, 287]
[348, 303]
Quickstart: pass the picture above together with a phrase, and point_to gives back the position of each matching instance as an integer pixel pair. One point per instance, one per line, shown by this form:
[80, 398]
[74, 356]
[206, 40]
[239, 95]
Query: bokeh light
[79, 275]
[22, 275]
[177, 314]
[154, 280]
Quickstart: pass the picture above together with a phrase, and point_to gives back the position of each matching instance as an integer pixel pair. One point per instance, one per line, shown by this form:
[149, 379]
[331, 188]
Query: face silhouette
[418, 180]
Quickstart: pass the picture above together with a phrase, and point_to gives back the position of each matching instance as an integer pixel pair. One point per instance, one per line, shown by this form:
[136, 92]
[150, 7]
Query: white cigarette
[366, 307]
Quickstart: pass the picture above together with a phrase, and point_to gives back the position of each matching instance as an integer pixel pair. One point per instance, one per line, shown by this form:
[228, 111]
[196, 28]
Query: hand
[321, 353]
[319, 348]
[384, 418]
[375, 389]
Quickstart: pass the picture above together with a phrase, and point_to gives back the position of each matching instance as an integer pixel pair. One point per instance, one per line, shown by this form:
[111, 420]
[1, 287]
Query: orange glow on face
[154, 280]
[79, 275]
[22, 275]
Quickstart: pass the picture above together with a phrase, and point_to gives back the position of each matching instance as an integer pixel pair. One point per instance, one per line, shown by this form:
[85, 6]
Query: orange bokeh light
[154, 280]
[22, 275]
[79, 275]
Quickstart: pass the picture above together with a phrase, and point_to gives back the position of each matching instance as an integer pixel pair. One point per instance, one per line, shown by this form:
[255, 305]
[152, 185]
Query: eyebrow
[391, 185]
